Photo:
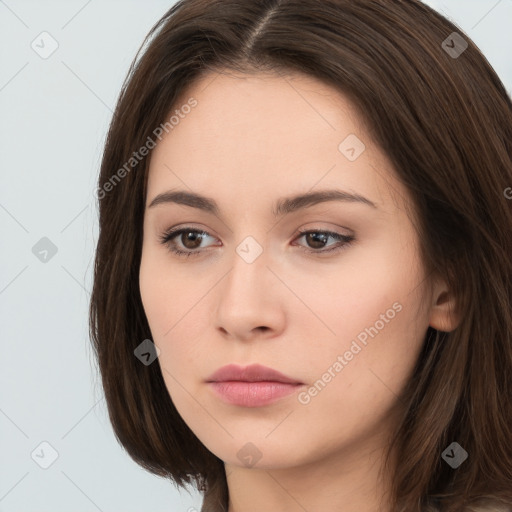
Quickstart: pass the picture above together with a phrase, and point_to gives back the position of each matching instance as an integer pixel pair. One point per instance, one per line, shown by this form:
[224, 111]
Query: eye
[317, 240]
[190, 244]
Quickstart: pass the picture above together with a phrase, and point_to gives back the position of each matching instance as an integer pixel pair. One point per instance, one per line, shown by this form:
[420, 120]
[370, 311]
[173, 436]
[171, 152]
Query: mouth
[251, 373]
[251, 386]
[252, 394]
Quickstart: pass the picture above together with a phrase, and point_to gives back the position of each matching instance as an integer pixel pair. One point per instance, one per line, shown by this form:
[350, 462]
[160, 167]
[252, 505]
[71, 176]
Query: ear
[442, 315]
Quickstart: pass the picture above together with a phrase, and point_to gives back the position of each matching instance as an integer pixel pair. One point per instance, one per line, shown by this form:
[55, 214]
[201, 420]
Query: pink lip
[251, 373]
[251, 386]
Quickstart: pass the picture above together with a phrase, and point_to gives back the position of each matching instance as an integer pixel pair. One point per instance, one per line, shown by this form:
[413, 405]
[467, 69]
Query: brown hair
[445, 123]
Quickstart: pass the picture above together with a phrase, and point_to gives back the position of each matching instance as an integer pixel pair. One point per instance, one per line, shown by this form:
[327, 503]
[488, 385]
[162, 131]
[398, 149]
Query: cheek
[371, 316]
[172, 305]
[355, 382]
[350, 295]
[166, 295]
[154, 294]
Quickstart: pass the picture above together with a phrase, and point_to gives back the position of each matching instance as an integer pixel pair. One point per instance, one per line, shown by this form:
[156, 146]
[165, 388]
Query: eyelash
[168, 237]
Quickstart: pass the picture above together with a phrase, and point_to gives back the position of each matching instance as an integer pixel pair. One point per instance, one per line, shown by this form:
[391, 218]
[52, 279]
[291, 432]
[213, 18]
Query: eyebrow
[283, 206]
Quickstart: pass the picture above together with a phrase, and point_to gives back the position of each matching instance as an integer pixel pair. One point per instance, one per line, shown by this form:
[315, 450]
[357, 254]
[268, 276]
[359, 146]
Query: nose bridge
[245, 301]
[249, 271]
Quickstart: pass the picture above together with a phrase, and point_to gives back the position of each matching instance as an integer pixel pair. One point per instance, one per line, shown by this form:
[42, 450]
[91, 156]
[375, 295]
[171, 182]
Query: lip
[251, 373]
[251, 386]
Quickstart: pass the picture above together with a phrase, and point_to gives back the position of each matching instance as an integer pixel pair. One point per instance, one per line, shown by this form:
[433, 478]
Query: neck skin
[346, 480]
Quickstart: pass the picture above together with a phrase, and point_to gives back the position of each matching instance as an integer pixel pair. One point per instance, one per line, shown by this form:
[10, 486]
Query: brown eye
[316, 241]
[185, 241]
[191, 239]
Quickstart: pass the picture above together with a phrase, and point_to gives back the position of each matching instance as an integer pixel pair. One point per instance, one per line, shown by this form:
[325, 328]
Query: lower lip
[252, 394]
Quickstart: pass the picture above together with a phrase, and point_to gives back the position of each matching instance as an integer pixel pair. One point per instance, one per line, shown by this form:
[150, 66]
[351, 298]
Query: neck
[349, 480]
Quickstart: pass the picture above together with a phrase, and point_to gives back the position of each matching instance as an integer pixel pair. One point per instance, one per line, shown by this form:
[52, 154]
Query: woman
[303, 286]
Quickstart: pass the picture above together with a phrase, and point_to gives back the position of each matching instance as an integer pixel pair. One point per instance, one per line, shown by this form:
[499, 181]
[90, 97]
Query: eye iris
[316, 238]
[191, 236]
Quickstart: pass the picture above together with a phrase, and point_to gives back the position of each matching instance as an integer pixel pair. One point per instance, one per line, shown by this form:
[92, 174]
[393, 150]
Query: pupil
[315, 238]
[190, 238]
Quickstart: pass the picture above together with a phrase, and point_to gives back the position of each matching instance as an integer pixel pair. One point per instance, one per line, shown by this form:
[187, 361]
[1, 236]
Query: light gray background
[54, 114]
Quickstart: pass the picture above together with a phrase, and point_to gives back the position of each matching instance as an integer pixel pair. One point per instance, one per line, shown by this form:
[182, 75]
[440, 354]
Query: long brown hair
[442, 116]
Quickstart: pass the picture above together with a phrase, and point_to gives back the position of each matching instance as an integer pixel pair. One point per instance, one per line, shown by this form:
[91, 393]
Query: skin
[251, 140]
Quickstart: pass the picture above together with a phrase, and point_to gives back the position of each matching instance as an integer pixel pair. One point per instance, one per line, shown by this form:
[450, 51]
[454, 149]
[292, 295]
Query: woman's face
[343, 318]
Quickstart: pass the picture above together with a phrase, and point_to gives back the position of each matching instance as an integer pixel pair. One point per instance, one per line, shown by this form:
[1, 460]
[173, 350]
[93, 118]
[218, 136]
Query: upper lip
[251, 373]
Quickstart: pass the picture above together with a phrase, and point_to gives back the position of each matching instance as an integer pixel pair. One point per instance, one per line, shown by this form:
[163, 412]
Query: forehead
[250, 134]
[291, 106]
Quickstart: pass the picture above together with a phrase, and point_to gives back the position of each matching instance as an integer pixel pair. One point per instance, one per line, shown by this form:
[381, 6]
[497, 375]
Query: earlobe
[443, 315]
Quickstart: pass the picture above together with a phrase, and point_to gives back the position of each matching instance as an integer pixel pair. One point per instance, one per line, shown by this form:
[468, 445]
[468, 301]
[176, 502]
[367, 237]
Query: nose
[250, 300]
